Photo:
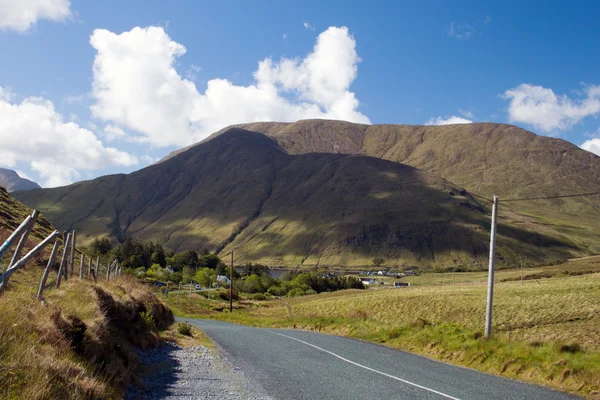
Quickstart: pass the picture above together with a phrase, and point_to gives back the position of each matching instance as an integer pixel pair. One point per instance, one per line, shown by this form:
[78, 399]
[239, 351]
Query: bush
[184, 328]
[296, 292]
[259, 296]
[310, 291]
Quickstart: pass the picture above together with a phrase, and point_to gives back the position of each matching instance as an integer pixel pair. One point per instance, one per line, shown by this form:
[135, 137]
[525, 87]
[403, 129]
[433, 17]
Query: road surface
[290, 364]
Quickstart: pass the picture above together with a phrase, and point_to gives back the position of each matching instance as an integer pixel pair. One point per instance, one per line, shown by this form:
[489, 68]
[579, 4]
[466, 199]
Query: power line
[550, 197]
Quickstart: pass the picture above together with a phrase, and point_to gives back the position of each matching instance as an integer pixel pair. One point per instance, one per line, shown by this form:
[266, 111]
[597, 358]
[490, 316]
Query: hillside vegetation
[79, 343]
[334, 193]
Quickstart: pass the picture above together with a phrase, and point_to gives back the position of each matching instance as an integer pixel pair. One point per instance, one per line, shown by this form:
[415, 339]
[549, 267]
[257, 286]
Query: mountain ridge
[246, 191]
[11, 181]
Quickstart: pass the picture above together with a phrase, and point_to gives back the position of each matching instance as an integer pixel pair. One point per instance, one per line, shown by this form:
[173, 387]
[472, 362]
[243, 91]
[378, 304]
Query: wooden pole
[81, 266]
[231, 284]
[72, 259]
[190, 292]
[47, 270]
[178, 294]
[491, 270]
[63, 261]
[21, 244]
[89, 274]
[32, 253]
[16, 233]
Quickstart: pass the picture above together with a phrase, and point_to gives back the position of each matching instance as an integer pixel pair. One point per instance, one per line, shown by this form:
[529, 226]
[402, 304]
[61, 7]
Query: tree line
[149, 261]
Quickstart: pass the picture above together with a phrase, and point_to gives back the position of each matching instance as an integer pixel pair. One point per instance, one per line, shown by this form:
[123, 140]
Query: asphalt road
[290, 364]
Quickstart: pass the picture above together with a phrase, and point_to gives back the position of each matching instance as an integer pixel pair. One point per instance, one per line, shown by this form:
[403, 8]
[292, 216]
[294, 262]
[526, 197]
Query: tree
[101, 246]
[158, 256]
[378, 261]
[206, 276]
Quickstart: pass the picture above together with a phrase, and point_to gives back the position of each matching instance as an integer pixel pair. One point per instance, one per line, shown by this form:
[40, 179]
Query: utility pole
[492, 262]
[231, 284]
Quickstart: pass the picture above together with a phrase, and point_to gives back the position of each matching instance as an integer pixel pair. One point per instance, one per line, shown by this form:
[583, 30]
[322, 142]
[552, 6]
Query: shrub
[259, 296]
[184, 328]
[296, 292]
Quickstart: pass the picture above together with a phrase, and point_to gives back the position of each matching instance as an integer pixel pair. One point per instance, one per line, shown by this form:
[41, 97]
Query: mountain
[335, 193]
[11, 181]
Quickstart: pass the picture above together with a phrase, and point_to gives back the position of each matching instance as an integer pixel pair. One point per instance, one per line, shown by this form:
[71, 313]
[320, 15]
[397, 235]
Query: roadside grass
[546, 331]
[81, 342]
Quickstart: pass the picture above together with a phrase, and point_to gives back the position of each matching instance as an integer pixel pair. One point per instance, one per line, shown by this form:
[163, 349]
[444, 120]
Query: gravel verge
[174, 372]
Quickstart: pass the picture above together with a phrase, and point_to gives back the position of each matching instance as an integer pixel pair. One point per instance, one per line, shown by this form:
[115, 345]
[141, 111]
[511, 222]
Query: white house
[367, 281]
[223, 279]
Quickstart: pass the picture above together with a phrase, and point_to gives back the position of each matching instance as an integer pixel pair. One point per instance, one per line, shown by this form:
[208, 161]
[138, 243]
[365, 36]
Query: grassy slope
[546, 331]
[241, 192]
[80, 343]
[484, 158]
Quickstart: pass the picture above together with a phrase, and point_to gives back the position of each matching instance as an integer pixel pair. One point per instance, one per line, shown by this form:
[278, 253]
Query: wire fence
[66, 267]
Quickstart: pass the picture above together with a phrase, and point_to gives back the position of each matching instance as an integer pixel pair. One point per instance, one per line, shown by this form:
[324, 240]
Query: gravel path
[173, 372]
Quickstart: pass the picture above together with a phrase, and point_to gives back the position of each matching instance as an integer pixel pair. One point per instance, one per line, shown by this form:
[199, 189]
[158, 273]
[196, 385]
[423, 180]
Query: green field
[546, 330]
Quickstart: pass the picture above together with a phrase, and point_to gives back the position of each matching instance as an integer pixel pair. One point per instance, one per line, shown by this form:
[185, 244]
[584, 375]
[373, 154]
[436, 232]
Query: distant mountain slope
[242, 192]
[484, 158]
[11, 181]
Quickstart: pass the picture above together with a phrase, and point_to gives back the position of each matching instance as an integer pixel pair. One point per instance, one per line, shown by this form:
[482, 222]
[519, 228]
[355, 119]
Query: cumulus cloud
[546, 111]
[448, 120]
[22, 15]
[592, 145]
[136, 86]
[113, 132]
[33, 132]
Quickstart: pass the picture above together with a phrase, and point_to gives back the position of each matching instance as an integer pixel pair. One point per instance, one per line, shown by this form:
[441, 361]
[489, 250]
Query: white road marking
[368, 368]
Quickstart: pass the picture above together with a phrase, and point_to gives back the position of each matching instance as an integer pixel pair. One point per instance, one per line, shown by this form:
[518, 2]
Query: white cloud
[113, 132]
[22, 15]
[448, 120]
[546, 111]
[284, 36]
[308, 26]
[33, 132]
[467, 113]
[487, 19]
[460, 31]
[147, 160]
[137, 87]
[592, 145]
[23, 175]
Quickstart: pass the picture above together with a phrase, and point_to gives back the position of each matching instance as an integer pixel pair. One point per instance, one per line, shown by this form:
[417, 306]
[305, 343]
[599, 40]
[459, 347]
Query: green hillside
[484, 158]
[242, 191]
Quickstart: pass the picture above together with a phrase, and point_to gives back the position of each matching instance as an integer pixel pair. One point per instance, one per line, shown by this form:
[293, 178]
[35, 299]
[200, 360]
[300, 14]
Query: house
[222, 279]
[367, 281]
[401, 284]
[169, 269]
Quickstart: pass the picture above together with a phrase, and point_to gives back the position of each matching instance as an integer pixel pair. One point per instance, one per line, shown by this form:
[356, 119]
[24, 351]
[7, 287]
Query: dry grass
[546, 331]
[81, 343]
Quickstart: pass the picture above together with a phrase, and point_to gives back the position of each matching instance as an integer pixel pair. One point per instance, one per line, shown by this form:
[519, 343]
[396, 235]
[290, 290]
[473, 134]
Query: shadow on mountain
[240, 191]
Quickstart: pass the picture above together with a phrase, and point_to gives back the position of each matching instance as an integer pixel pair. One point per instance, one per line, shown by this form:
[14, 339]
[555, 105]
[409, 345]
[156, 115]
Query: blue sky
[90, 88]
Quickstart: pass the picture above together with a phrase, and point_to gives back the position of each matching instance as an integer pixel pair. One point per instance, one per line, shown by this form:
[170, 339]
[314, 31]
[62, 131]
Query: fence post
[16, 233]
[72, 259]
[23, 239]
[47, 270]
[89, 274]
[32, 253]
[63, 261]
[81, 266]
